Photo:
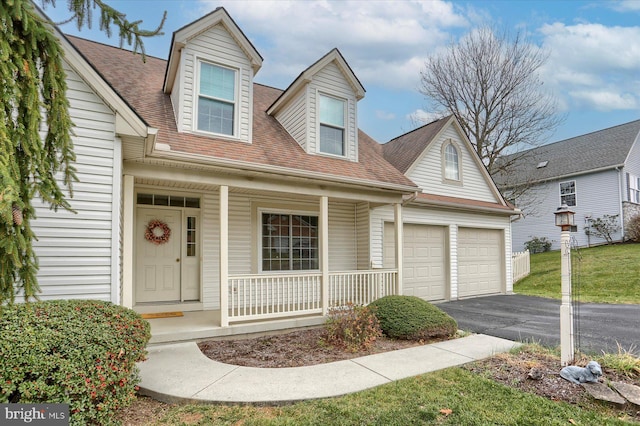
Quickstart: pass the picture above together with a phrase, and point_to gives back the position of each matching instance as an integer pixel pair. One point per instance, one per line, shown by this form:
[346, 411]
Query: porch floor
[200, 325]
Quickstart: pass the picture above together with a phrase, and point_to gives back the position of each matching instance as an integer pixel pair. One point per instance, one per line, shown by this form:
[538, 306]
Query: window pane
[217, 82]
[331, 111]
[215, 116]
[161, 200]
[192, 202]
[176, 201]
[331, 140]
[145, 199]
[289, 242]
[568, 193]
[451, 165]
[567, 188]
[191, 236]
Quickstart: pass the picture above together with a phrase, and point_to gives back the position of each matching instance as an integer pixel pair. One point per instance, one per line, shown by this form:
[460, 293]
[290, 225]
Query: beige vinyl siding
[240, 241]
[427, 174]
[76, 251]
[331, 81]
[342, 237]
[209, 212]
[451, 219]
[218, 47]
[293, 119]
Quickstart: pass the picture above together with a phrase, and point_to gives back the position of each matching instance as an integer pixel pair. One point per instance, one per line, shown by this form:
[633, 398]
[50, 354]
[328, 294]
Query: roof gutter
[457, 206]
[284, 171]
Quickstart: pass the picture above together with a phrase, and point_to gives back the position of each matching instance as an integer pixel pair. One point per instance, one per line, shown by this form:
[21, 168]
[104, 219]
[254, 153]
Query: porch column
[397, 216]
[324, 251]
[224, 256]
[128, 224]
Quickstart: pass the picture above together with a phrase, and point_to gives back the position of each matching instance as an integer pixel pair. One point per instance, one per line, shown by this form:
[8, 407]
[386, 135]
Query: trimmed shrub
[76, 352]
[411, 318]
[353, 327]
[538, 245]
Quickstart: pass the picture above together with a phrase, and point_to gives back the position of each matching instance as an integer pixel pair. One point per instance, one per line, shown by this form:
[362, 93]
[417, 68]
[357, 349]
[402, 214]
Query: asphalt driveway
[600, 327]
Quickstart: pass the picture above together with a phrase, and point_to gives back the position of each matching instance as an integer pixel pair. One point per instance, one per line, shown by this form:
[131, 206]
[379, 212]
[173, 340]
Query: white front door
[158, 268]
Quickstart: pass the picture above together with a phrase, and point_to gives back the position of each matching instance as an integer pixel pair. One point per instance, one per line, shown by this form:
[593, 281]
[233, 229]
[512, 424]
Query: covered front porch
[251, 257]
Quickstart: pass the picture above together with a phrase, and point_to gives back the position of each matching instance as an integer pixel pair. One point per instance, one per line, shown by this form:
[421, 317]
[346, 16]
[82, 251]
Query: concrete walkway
[181, 373]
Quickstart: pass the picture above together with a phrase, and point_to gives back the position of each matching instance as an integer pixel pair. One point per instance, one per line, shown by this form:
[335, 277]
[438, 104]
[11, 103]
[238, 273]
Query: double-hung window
[634, 188]
[451, 162]
[289, 242]
[332, 125]
[568, 193]
[216, 99]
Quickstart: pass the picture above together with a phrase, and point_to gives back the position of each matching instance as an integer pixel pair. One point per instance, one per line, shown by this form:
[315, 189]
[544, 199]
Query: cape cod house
[251, 208]
[595, 174]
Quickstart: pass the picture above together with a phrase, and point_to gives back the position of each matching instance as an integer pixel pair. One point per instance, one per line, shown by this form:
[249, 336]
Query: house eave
[451, 205]
[238, 165]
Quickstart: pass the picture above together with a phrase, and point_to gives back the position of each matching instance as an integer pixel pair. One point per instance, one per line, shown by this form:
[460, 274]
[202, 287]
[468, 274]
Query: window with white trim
[451, 162]
[289, 242]
[634, 188]
[216, 99]
[332, 125]
[568, 193]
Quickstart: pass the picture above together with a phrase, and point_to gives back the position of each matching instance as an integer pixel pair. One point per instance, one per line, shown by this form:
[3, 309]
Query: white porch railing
[260, 297]
[520, 264]
[361, 287]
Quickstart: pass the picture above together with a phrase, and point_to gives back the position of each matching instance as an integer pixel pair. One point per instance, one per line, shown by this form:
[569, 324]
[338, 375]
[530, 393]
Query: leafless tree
[490, 82]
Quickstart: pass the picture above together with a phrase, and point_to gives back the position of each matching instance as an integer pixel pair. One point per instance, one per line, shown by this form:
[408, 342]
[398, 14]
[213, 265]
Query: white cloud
[420, 117]
[625, 5]
[604, 100]
[595, 66]
[383, 41]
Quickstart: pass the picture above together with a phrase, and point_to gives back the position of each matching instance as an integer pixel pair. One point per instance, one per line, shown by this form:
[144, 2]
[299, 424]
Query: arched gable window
[451, 162]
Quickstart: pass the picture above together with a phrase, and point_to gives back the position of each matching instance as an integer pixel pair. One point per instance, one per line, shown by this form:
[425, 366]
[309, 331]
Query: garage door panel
[425, 273]
[480, 262]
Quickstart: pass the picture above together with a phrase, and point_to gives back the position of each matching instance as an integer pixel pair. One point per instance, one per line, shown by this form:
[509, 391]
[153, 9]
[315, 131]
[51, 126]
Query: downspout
[410, 199]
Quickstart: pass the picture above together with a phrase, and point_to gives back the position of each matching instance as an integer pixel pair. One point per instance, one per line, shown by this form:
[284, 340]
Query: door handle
[178, 260]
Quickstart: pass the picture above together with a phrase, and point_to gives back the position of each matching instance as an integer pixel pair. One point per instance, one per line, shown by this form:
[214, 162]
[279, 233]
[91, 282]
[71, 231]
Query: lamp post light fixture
[565, 220]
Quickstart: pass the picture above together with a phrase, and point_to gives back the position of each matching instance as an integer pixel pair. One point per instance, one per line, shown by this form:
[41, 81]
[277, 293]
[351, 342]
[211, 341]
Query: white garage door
[425, 272]
[480, 262]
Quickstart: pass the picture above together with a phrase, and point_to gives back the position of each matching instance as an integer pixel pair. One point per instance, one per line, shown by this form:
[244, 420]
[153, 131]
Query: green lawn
[605, 274]
[426, 399]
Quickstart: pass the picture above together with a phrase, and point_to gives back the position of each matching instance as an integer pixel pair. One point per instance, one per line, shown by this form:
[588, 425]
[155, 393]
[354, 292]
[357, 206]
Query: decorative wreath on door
[157, 232]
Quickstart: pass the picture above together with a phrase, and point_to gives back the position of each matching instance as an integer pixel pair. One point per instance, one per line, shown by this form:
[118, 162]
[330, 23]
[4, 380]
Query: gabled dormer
[319, 109]
[210, 78]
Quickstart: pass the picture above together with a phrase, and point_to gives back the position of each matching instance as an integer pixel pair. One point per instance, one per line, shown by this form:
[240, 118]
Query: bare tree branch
[489, 81]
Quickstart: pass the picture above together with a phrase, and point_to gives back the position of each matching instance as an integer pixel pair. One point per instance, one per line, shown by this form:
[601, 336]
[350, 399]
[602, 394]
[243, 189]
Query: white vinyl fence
[520, 264]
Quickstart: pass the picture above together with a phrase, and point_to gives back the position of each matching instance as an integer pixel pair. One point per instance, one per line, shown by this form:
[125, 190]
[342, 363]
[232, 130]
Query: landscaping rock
[630, 392]
[603, 393]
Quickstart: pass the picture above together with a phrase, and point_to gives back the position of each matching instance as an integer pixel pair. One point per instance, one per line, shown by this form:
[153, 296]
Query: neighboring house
[596, 174]
[201, 191]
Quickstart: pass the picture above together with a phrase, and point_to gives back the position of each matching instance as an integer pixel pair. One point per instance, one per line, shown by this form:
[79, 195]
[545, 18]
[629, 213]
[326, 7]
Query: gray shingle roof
[602, 149]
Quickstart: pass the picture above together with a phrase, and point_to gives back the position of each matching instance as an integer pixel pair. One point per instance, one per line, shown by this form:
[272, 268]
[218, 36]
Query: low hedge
[411, 318]
[81, 353]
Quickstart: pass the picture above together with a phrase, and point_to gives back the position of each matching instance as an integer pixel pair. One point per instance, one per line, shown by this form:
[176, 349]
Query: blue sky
[594, 47]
